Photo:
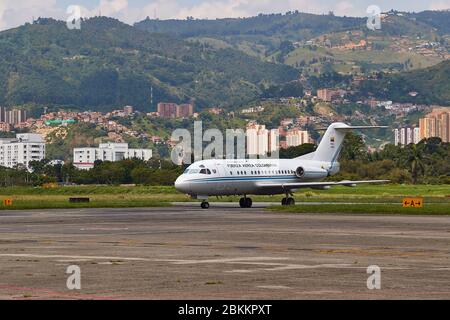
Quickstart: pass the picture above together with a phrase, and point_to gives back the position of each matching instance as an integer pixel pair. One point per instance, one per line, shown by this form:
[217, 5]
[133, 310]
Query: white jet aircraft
[269, 176]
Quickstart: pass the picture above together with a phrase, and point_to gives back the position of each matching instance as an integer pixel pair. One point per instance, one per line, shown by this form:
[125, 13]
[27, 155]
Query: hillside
[290, 26]
[320, 43]
[432, 85]
[108, 64]
[437, 19]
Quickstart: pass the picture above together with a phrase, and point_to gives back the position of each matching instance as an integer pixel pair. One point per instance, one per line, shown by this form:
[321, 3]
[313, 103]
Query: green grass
[50, 203]
[345, 58]
[153, 196]
[428, 209]
[100, 197]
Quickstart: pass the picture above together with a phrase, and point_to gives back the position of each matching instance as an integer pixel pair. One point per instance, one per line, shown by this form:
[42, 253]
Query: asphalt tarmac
[183, 252]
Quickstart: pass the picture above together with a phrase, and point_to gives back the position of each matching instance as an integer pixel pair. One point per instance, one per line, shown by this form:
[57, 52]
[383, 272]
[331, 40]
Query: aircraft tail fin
[332, 141]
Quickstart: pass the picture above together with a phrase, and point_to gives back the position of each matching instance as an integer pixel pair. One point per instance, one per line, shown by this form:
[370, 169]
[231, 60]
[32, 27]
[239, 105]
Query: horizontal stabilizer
[360, 128]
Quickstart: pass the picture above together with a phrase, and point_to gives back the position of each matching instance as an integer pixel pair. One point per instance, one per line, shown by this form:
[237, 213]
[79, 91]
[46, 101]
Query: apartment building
[261, 141]
[437, 124]
[405, 136]
[84, 158]
[21, 150]
[173, 110]
[296, 137]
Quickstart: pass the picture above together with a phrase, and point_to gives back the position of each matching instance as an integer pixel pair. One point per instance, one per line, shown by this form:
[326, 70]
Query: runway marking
[283, 267]
[81, 257]
[273, 287]
[103, 229]
[231, 260]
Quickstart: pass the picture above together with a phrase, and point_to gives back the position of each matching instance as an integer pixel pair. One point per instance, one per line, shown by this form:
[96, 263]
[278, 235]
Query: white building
[405, 136]
[296, 137]
[21, 150]
[396, 137]
[84, 158]
[261, 141]
[274, 140]
[416, 136]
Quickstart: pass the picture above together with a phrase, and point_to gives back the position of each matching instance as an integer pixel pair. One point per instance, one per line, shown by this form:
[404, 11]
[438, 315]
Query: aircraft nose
[182, 185]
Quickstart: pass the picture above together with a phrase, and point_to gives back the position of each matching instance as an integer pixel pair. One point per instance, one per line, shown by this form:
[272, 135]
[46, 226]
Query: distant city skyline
[14, 13]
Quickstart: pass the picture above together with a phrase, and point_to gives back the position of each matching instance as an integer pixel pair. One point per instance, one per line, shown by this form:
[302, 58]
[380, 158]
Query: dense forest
[432, 85]
[292, 25]
[108, 64]
[221, 62]
[297, 26]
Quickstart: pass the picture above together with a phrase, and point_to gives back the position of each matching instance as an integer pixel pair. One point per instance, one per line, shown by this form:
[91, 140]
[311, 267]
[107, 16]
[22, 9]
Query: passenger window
[231, 173]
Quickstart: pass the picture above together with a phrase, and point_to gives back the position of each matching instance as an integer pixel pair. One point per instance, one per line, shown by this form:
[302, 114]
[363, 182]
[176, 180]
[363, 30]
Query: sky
[14, 13]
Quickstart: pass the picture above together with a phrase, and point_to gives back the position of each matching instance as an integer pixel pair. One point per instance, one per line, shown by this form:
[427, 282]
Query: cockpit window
[205, 171]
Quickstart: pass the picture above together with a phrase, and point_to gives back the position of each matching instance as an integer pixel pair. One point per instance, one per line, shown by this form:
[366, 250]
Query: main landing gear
[288, 201]
[205, 205]
[245, 202]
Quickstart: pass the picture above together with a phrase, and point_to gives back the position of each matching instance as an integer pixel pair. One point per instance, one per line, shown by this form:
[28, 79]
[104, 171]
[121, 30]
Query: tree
[415, 161]
[294, 152]
[353, 148]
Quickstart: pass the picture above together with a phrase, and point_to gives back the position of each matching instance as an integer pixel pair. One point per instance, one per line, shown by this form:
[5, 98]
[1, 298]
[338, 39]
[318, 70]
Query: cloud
[440, 5]
[213, 9]
[345, 8]
[111, 7]
[14, 13]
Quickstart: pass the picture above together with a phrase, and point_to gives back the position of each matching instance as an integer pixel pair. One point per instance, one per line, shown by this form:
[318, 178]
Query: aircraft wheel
[290, 202]
[248, 203]
[205, 205]
[242, 203]
[283, 201]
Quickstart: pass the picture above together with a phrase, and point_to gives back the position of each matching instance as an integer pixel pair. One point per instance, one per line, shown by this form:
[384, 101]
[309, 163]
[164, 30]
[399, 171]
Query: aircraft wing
[298, 185]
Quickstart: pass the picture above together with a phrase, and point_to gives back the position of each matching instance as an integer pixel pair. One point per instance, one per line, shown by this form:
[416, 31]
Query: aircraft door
[221, 172]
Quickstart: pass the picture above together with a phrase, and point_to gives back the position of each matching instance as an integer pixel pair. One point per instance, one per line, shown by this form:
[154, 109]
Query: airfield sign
[413, 203]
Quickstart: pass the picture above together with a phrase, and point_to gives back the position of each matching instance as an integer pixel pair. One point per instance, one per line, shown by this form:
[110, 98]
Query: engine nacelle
[300, 172]
[310, 173]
